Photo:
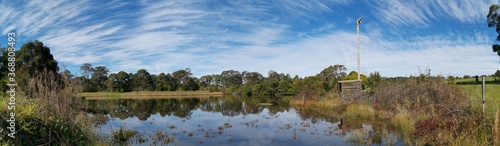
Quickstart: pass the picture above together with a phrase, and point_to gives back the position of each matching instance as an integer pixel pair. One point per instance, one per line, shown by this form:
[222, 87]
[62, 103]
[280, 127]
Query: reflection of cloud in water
[266, 125]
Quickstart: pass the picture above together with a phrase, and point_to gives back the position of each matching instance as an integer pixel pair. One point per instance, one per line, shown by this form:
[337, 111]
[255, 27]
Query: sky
[298, 37]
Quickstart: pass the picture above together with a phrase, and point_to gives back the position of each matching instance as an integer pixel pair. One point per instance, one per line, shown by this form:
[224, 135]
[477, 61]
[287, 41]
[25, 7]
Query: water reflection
[233, 121]
[182, 108]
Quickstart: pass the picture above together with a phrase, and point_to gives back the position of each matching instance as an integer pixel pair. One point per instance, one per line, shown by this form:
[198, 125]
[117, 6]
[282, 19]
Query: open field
[488, 80]
[492, 96]
[148, 94]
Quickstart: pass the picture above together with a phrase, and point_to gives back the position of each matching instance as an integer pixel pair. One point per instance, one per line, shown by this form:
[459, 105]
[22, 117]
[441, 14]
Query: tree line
[33, 58]
[99, 79]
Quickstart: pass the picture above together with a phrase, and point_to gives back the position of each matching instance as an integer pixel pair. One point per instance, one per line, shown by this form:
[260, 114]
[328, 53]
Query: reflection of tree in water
[143, 109]
[183, 108]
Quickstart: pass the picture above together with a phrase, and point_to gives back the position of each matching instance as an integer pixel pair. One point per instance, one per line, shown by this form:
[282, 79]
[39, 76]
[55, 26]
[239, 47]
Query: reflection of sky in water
[264, 128]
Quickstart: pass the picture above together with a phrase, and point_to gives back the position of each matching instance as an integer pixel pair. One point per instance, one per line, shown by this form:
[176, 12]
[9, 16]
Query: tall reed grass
[53, 115]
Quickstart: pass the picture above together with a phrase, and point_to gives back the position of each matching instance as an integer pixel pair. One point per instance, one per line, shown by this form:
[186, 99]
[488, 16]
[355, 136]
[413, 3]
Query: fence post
[483, 87]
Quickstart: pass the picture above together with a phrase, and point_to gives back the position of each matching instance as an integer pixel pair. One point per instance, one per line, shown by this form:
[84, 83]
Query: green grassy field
[489, 80]
[149, 94]
[492, 96]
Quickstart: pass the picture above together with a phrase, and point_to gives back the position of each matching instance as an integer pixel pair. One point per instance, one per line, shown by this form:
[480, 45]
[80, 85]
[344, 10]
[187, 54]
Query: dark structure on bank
[350, 88]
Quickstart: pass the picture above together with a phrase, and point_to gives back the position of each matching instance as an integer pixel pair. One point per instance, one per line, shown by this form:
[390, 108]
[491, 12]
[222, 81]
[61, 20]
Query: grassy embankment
[426, 110]
[148, 94]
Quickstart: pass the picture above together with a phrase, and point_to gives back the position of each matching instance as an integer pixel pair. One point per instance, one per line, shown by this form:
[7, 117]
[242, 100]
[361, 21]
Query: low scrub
[430, 111]
[421, 94]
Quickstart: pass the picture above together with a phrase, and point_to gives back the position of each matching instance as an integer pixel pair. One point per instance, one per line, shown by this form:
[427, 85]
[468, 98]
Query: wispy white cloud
[417, 13]
[286, 36]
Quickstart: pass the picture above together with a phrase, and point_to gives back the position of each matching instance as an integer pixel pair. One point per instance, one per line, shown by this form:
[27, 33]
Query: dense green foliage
[30, 60]
[229, 81]
[493, 19]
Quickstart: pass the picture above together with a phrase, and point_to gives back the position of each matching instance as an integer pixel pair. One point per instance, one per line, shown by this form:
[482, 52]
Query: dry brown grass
[359, 110]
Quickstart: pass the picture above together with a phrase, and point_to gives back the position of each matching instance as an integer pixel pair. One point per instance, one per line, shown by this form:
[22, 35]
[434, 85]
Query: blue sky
[296, 37]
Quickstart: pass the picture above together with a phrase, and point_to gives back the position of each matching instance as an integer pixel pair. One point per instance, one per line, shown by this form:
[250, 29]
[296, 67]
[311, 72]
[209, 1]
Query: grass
[149, 94]
[360, 110]
[122, 136]
[405, 123]
[488, 80]
[492, 96]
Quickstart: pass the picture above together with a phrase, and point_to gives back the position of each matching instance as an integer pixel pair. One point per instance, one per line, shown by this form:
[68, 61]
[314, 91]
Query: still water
[232, 121]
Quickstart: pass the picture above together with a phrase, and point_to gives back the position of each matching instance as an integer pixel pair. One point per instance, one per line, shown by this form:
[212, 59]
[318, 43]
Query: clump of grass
[405, 123]
[328, 103]
[363, 111]
[122, 136]
[496, 128]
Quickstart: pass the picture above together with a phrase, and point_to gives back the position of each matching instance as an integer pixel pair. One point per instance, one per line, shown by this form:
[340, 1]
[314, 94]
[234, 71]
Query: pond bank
[425, 111]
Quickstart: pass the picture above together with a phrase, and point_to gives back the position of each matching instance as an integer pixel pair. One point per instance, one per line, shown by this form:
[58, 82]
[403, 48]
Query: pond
[232, 121]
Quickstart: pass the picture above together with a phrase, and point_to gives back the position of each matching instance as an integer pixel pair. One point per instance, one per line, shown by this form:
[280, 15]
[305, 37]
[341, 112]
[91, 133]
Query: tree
[34, 57]
[467, 77]
[206, 82]
[111, 83]
[251, 83]
[331, 75]
[497, 75]
[181, 77]
[451, 79]
[161, 82]
[493, 19]
[123, 81]
[231, 78]
[99, 78]
[374, 79]
[191, 85]
[67, 74]
[354, 76]
[143, 81]
[87, 71]
[4, 70]
[31, 60]
[171, 83]
[251, 78]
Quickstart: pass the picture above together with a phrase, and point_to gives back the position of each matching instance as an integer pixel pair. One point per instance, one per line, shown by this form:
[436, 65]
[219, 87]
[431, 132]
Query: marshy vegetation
[425, 110]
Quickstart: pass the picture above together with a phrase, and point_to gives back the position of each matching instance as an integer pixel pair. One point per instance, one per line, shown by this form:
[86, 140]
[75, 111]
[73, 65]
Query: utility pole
[357, 30]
